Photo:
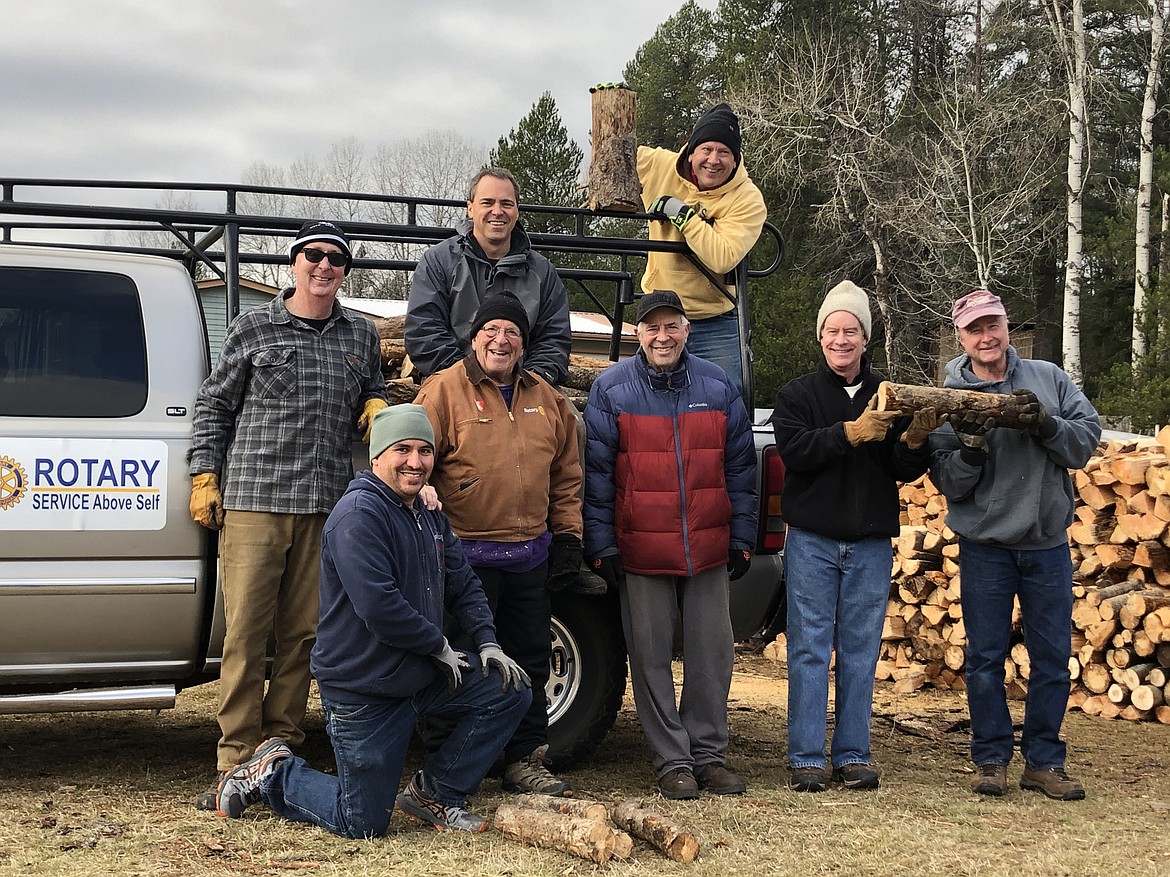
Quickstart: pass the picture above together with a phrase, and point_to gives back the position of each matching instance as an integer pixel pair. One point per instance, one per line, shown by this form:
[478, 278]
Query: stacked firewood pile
[1120, 543]
[403, 379]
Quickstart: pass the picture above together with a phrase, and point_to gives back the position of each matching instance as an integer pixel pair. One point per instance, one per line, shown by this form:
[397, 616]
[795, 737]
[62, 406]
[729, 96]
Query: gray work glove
[677, 212]
[971, 429]
[452, 664]
[512, 675]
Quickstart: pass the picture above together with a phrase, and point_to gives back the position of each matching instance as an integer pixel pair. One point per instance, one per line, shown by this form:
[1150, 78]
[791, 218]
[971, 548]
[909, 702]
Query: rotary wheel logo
[13, 482]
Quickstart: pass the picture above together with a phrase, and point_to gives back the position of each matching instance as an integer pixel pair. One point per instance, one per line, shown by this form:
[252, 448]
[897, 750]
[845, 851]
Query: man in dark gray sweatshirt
[1010, 500]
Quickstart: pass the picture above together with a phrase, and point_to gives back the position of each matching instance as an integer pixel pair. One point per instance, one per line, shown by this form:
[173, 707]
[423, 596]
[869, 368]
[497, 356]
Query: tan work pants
[271, 566]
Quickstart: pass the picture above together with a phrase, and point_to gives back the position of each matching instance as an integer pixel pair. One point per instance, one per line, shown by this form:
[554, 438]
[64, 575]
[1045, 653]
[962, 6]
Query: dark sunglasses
[337, 260]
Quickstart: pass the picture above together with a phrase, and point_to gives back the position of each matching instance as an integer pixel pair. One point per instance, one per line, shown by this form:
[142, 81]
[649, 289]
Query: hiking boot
[1053, 782]
[808, 779]
[530, 775]
[990, 779]
[678, 785]
[718, 780]
[206, 799]
[415, 802]
[239, 789]
[857, 776]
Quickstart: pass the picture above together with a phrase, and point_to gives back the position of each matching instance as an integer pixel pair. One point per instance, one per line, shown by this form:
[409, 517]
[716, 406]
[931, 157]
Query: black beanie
[720, 124]
[320, 230]
[501, 307]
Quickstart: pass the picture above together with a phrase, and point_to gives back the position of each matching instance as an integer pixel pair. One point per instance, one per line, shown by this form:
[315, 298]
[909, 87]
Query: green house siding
[214, 301]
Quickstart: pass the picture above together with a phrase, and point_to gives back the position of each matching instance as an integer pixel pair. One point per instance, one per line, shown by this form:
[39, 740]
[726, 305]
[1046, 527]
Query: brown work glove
[871, 426]
[366, 418]
[924, 422]
[206, 500]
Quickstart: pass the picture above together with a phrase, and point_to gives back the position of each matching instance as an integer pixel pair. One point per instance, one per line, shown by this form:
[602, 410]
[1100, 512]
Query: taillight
[772, 532]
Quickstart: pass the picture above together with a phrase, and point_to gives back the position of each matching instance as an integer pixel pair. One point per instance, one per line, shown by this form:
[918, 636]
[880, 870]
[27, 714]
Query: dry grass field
[112, 794]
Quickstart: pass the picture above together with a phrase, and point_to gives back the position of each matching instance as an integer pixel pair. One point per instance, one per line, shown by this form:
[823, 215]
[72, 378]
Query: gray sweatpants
[693, 733]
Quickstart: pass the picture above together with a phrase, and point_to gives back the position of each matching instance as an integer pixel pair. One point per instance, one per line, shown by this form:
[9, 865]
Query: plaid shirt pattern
[276, 416]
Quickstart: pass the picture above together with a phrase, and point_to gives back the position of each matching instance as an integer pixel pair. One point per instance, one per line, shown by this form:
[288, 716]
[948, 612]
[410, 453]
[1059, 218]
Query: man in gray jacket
[1010, 500]
[489, 255]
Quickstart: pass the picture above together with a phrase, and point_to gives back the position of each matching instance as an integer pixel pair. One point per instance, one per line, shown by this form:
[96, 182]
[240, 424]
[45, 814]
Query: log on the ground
[613, 166]
[585, 838]
[907, 398]
[583, 371]
[662, 832]
[579, 807]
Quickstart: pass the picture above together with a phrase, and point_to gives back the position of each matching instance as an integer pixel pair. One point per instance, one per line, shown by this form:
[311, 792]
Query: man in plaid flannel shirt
[274, 424]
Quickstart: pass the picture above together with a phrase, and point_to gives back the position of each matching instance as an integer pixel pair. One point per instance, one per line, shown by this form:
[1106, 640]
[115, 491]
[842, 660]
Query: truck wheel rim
[564, 678]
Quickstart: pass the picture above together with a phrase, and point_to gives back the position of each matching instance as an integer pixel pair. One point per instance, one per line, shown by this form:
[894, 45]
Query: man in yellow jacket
[702, 196]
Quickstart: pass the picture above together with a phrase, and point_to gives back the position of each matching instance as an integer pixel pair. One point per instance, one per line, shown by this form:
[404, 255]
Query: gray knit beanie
[846, 296]
[398, 422]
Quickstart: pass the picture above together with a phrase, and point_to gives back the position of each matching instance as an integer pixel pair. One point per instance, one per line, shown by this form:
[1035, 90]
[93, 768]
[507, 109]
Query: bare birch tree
[1157, 17]
[1068, 31]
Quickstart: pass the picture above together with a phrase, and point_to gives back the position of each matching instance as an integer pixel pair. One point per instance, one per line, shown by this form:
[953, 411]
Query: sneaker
[857, 776]
[206, 799]
[530, 775]
[239, 789]
[808, 779]
[718, 780]
[1053, 782]
[415, 802]
[678, 785]
[990, 779]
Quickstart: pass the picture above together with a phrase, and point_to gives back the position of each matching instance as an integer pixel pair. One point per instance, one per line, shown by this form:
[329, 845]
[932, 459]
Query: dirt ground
[112, 793]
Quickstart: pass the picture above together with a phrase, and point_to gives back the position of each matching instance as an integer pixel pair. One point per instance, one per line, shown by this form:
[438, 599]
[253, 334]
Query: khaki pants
[271, 566]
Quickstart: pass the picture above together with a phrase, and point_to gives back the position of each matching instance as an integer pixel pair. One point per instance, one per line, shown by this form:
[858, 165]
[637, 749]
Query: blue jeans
[1043, 582]
[370, 742]
[716, 339]
[837, 594]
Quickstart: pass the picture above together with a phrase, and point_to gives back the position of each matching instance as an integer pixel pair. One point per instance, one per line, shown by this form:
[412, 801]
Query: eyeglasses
[336, 259]
[509, 333]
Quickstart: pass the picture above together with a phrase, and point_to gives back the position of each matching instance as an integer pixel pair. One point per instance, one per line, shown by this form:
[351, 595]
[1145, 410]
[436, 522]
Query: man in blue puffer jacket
[389, 569]
[670, 517]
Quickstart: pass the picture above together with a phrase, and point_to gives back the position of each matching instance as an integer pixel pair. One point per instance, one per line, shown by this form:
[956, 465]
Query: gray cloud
[126, 89]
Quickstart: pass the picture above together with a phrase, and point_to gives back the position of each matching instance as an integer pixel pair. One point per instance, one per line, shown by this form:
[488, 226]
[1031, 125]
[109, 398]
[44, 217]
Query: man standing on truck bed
[508, 471]
[670, 517]
[702, 196]
[274, 421]
[489, 255]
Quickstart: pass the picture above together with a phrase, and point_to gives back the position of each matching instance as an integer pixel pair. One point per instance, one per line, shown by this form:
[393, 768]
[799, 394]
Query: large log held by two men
[613, 167]
[907, 398]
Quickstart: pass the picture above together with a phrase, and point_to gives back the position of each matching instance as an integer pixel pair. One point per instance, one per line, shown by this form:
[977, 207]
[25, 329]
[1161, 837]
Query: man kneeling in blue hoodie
[389, 568]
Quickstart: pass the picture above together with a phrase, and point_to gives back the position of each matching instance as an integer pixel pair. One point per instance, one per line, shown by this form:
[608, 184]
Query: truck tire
[587, 678]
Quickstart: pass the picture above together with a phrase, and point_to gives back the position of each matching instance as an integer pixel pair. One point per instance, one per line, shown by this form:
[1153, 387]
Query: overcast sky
[201, 89]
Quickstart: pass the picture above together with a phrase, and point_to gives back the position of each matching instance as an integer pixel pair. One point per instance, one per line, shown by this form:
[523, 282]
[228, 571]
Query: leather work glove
[366, 418]
[971, 428]
[565, 556]
[512, 675]
[452, 664]
[1034, 415]
[922, 424]
[871, 426]
[739, 561]
[610, 569]
[673, 210]
[206, 500]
